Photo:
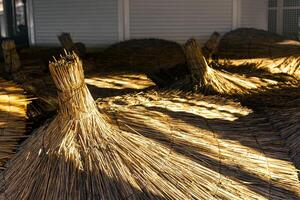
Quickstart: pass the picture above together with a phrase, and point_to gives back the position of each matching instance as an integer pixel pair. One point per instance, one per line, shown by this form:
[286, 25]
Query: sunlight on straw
[13, 107]
[120, 81]
[159, 118]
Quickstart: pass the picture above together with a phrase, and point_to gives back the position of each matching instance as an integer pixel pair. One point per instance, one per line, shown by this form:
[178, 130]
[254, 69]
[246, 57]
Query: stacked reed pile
[250, 158]
[13, 121]
[163, 61]
[253, 43]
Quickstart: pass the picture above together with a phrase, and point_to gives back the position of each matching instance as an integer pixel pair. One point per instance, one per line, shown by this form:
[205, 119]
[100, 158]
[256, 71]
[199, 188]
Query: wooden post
[211, 46]
[68, 44]
[11, 57]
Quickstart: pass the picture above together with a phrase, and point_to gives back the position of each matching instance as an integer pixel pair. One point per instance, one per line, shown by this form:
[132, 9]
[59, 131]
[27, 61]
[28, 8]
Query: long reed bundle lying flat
[249, 156]
[210, 80]
[289, 65]
[13, 120]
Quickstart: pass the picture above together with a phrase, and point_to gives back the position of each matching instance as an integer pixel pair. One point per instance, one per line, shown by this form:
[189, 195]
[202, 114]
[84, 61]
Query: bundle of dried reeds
[84, 154]
[13, 125]
[11, 57]
[209, 80]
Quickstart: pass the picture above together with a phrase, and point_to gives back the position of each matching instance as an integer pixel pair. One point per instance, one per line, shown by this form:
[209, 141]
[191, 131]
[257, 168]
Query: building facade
[284, 17]
[102, 22]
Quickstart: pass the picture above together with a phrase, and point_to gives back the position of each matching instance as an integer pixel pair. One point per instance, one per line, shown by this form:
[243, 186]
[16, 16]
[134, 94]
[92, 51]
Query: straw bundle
[209, 80]
[13, 125]
[253, 43]
[11, 57]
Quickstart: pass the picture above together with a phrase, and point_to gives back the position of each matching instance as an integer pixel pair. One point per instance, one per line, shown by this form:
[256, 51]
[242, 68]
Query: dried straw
[209, 80]
[13, 124]
[287, 122]
[289, 65]
[84, 154]
[247, 152]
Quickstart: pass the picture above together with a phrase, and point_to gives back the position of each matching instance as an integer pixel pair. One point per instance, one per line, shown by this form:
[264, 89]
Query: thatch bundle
[208, 80]
[13, 120]
[253, 43]
[11, 57]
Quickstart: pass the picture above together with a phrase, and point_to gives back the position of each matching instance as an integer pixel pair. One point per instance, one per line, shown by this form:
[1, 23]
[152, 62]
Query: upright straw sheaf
[68, 77]
[209, 80]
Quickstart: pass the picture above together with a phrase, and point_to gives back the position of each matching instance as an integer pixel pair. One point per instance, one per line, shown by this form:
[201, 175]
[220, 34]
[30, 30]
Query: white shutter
[254, 14]
[179, 19]
[93, 22]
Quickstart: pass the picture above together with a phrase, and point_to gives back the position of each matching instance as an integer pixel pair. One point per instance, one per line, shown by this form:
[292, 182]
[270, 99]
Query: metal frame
[30, 22]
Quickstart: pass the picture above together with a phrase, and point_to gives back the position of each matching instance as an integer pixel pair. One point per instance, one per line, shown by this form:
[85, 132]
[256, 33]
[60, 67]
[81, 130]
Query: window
[291, 18]
[272, 16]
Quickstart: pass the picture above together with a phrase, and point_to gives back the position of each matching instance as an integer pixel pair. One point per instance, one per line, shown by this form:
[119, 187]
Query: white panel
[254, 14]
[179, 19]
[93, 22]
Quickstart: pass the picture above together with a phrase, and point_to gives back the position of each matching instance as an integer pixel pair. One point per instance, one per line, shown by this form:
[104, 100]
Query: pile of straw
[210, 81]
[13, 120]
[253, 43]
[85, 154]
[249, 156]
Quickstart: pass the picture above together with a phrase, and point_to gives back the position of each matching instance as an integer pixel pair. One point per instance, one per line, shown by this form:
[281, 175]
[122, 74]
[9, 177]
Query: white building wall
[179, 19]
[92, 22]
[254, 14]
[101, 22]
